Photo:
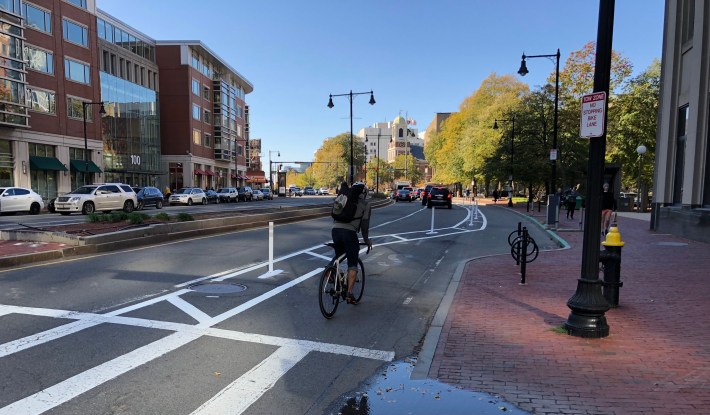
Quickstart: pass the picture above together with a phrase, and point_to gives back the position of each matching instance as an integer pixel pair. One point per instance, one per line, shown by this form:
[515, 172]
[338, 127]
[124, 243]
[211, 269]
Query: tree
[405, 168]
[333, 159]
[378, 172]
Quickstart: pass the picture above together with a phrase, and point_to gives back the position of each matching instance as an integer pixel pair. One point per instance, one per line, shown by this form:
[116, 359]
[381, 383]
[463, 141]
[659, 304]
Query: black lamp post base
[510, 202]
[588, 306]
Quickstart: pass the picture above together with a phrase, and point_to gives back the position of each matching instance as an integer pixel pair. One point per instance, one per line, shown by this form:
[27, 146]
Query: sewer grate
[217, 287]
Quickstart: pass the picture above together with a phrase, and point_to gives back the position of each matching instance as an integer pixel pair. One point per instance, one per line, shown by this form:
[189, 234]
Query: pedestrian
[571, 203]
[608, 206]
[495, 196]
[468, 194]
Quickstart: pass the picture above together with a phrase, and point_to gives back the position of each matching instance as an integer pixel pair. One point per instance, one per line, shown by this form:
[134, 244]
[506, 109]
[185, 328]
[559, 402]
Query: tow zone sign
[592, 120]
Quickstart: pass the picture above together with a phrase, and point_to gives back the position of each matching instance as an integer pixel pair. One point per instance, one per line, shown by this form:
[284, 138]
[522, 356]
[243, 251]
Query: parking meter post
[524, 260]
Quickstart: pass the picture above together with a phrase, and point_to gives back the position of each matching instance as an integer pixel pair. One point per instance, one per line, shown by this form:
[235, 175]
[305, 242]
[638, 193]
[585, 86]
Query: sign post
[593, 116]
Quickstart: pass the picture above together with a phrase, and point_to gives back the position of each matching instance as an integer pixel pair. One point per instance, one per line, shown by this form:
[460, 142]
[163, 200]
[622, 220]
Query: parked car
[97, 197]
[309, 191]
[258, 195]
[245, 194]
[19, 199]
[267, 193]
[212, 196]
[323, 191]
[148, 196]
[227, 194]
[296, 191]
[439, 195]
[403, 194]
[188, 196]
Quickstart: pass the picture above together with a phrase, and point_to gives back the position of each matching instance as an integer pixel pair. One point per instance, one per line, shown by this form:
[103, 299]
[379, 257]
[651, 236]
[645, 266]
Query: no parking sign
[592, 120]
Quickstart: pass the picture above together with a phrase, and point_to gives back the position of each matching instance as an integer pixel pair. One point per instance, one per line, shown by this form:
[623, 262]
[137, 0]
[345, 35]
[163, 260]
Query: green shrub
[162, 216]
[185, 217]
[137, 218]
[119, 217]
[94, 217]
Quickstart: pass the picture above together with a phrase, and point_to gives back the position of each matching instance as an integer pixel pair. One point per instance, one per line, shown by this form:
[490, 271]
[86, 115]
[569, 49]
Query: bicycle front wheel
[359, 286]
[327, 294]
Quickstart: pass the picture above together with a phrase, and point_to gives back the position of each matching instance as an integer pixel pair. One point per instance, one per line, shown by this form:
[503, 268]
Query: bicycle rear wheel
[359, 286]
[328, 297]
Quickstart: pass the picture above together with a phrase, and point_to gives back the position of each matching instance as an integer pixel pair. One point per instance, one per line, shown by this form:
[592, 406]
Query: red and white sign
[592, 120]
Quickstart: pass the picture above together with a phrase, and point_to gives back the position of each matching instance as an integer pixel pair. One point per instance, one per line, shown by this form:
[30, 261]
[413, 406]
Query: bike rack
[523, 249]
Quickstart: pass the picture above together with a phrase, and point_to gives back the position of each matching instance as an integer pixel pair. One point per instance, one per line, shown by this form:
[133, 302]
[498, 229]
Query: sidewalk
[503, 338]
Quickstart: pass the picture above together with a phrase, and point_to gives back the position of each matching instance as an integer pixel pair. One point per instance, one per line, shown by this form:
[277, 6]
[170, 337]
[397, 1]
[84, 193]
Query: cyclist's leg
[352, 249]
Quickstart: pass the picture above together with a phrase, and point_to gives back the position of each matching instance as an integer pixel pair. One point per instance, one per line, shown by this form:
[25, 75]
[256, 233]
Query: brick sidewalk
[499, 336]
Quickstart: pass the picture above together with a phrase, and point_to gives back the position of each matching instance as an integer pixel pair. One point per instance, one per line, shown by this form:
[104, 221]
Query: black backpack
[345, 204]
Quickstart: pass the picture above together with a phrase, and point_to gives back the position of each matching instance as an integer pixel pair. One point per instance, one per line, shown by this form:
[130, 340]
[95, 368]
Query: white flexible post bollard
[470, 219]
[271, 272]
[476, 209]
[431, 232]
[271, 246]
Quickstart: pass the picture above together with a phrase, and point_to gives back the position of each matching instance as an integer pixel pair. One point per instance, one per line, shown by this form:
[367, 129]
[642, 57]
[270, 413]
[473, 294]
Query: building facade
[681, 194]
[82, 104]
[204, 118]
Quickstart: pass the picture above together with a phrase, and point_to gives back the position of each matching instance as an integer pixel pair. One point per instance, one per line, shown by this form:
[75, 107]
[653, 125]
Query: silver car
[97, 198]
[188, 196]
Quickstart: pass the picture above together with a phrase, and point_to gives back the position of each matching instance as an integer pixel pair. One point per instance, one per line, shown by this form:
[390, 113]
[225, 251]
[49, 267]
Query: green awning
[46, 163]
[80, 166]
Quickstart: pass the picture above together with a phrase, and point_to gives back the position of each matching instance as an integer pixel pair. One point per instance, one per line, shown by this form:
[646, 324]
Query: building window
[679, 165]
[196, 111]
[78, 3]
[75, 109]
[196, 137]
[196, 87]
[42, 101]
[207, 117]
[195, 62]
[75, 33]
[206, 92]
[208, 140]
[39, 60]
[37, 18]
[77, 71]
[688, 22]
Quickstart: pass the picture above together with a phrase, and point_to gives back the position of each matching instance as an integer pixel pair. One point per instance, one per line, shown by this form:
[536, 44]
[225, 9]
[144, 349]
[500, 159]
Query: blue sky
[419, 57]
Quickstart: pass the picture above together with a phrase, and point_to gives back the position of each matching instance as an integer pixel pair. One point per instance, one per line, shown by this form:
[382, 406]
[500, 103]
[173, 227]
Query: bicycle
[333, 285]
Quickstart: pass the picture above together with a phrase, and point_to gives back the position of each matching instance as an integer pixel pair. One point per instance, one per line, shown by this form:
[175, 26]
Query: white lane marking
[190, 309]
[317, 255]
[407, 300]
[263, 297]
[68, 389]
[95, 319]
[242, 393]
[44, 337]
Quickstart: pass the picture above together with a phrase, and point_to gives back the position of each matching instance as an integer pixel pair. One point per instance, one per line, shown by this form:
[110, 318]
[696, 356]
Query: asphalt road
[124, 332]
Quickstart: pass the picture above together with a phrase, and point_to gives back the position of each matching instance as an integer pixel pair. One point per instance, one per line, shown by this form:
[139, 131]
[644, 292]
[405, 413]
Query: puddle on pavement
[391, 391]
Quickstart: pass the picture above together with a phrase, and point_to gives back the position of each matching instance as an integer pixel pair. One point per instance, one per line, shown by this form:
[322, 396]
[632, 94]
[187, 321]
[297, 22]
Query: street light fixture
[102, 111]
[377, 170]
[350, 96]
[641, 150]
[553, 153]
[512, 152]
[271, 175]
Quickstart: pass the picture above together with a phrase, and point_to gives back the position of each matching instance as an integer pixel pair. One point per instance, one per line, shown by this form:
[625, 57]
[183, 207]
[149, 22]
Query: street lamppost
[553, 153]
[512, 152]
[102, 111]
[377, 170]
[641, 150]
[350, 96]
[271, 175]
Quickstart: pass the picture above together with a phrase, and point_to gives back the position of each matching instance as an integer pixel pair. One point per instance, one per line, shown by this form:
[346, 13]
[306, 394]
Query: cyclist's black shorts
[346, 242]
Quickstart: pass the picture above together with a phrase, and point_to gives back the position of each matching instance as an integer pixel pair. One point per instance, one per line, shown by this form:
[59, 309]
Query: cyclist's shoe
[350, 299]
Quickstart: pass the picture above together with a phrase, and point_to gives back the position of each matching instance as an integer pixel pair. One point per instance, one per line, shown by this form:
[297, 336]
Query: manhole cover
[217, 288]
[672, 244]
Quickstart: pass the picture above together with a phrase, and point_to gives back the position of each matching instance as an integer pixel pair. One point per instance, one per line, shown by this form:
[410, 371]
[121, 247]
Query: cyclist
[345, 237]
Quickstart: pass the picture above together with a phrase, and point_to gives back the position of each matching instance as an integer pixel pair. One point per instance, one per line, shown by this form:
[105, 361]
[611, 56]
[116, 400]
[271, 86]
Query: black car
[245, 194]
[148, 196]
[212, 196]
[403, 194]
[425, 193]
[227, 194]
[439, 196]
